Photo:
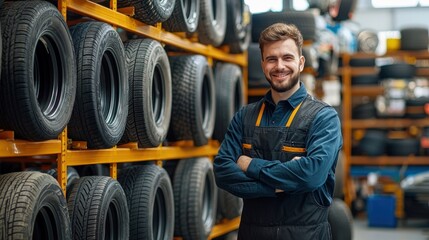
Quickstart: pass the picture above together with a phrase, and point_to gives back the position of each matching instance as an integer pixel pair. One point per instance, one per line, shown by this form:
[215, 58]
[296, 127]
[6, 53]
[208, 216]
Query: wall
[389, 19]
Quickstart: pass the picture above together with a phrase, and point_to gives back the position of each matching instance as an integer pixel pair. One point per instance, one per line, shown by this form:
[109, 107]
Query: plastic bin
[381, 211]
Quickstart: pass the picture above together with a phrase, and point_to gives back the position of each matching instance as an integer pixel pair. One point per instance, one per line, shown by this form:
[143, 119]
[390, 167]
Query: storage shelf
[122, 155]
[367, 90]
[389, 123]
[389, 160]
[22, 148]
[349, 124]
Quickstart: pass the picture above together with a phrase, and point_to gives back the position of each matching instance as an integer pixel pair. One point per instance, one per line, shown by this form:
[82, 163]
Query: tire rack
[68, 153]
[349, 124]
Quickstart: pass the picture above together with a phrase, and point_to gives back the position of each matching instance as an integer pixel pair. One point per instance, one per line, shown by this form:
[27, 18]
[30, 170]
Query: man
[279, 154]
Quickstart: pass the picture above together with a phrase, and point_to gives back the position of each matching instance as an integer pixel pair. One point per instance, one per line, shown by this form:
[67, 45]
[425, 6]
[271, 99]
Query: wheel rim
[109, 88]
[45, 225]
[48, 76]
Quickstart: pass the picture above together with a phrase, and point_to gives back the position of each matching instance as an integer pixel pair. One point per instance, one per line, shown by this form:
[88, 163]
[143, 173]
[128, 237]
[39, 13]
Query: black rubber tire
[38, 73]
[94, 170]
[150, 201]
[345, 8]
[195, 198]
[72, 177]
[150, 11]
[150, 100]
[340, 218]
[32, 207]
[362, 62]
[304, 20]
[364, 111]
[256, 75]
[371, 79]
[185, 17]
[229, 96]
[403, 147]
[397, 70]
[212, 22]
[238, 26]
[101, 108]
[414, 38]
[194, 100]
[339, 176]
[98, 209]
[229, 206]
[373, 142]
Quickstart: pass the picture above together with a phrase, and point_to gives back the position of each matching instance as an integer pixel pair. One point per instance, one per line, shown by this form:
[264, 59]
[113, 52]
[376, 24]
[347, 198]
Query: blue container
[381, 211]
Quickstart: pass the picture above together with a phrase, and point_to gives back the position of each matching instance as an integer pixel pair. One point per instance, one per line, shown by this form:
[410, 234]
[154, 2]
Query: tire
[371, 79]
[94, 170]
[228, 205]
[414, 38]
[38, 71]
[212, 22]
[72, 177]
[184, 17]
[194, 109]
[98, 209]
[339, 176]
[150, 202]
[403, 147]
[397, 70]
[32, 207]
[366, 110]
[149, 104]
[229, 96]
[340, 218]
[256, 75]
[238, 26]
[373, 142]
[305, 21]
[150, 11]
[101, 108]
[195, 196]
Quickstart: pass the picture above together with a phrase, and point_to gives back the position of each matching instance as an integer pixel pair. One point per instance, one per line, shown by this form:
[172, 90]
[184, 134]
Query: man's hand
[243, 162]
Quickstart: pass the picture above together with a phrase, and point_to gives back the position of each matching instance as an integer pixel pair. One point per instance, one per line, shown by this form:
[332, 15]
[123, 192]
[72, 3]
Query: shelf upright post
[62, 162]
[347, 132]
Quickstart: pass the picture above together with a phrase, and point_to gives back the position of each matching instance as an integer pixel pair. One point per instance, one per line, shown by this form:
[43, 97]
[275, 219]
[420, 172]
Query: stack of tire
[106, 93]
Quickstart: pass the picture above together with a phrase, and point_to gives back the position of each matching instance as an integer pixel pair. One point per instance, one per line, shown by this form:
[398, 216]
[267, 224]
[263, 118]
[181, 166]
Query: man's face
[282, 64]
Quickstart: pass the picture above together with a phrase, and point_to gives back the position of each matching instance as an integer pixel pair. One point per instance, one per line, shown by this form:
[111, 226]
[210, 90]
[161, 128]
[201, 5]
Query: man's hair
[280, 32]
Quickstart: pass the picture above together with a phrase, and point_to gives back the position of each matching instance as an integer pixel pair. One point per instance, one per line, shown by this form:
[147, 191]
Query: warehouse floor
[405, 230]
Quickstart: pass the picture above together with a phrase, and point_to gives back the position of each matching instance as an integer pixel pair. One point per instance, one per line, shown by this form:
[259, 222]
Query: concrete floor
[406, 230]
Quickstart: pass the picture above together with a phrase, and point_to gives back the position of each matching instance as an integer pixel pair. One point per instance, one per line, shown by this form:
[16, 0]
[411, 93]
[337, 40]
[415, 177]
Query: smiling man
[279, 154]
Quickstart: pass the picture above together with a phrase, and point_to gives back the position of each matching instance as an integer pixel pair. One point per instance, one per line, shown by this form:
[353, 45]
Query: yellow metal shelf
[123, 155]
[21, 148]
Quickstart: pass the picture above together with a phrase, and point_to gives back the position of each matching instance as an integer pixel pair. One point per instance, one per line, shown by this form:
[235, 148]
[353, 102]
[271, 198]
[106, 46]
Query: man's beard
[284, 88]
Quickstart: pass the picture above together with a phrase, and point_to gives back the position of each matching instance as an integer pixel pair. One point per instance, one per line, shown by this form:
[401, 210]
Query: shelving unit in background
[349, 124]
